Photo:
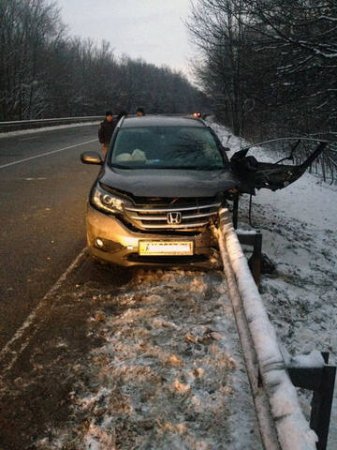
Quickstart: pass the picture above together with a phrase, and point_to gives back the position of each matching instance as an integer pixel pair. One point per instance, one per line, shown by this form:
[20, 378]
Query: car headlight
[105, 201]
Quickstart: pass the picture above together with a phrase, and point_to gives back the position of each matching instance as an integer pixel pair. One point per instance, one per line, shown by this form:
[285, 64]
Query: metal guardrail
[16, 125]
[281, 421]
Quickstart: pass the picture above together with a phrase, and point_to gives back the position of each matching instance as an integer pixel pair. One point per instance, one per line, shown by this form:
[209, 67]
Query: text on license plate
[165, 248]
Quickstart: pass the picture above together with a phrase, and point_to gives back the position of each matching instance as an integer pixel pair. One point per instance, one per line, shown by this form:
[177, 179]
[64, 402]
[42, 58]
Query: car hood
[169, 182]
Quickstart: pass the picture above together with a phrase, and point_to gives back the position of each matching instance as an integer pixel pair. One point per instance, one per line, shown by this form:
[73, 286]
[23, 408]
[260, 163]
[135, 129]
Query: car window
[166, 147]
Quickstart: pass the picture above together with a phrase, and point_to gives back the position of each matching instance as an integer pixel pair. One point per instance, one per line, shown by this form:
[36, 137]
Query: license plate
[165, 248]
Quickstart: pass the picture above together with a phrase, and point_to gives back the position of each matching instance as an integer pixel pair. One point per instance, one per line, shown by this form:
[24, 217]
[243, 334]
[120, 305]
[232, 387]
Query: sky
[152, 30]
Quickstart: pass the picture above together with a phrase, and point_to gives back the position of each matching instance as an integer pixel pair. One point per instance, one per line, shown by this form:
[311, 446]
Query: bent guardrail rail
[16, 125]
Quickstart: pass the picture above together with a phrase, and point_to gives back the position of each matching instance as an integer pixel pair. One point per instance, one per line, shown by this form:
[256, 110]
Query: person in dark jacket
[105, 131]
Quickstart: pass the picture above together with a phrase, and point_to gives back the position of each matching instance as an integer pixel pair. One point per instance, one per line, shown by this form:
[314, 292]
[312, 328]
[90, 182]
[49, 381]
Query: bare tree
[44, 73]
[219, 32]
[303, 35]
[269, 65]
[26, 27]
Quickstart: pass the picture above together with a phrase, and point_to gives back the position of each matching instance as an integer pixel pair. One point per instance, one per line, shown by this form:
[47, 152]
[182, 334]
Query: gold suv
[158, 192]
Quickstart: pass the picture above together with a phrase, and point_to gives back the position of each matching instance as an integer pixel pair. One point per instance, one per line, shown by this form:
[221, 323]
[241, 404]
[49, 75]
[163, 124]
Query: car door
[276, 163]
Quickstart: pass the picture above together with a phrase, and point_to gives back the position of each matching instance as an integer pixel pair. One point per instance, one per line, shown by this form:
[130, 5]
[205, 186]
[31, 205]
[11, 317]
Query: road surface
[43, 189]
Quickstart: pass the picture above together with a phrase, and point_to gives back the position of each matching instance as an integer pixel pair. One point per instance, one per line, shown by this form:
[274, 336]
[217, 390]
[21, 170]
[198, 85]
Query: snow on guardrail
[266, 368]
[15, 125]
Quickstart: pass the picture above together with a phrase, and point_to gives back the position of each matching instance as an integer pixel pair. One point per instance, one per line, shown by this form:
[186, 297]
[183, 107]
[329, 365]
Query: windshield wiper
[123, 166]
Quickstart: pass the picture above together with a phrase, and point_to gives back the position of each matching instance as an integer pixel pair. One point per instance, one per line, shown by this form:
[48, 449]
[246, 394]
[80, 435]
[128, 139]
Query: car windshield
[166, 147]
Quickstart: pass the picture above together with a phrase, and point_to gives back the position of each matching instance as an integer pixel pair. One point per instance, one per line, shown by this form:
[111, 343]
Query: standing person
[105, 131]
[140, 112]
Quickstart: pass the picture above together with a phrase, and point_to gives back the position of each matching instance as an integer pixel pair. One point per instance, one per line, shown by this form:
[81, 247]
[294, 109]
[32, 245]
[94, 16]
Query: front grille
[182, 214]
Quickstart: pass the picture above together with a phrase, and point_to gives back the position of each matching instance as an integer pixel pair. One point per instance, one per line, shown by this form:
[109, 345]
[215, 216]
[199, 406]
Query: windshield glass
[166, 147]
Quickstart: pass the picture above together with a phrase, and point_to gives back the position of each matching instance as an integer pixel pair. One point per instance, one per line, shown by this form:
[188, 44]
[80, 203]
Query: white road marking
[41, 155]
[29, 138]
[8, 351]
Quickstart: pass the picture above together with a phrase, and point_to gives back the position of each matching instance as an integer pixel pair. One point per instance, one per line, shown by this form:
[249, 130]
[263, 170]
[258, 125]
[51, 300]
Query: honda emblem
[174, 218]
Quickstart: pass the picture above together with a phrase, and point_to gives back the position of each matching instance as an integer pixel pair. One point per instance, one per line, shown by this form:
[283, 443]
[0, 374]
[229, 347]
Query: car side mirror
[91, 158]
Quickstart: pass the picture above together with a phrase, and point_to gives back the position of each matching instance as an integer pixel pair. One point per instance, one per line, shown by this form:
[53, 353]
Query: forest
[269, 66]
[44, 73]
[265, 68]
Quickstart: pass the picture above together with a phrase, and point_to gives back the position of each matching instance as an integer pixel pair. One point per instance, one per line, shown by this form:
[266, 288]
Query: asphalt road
[43, 190]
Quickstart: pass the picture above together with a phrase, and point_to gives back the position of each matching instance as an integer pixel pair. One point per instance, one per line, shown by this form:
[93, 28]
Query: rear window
[166, 147]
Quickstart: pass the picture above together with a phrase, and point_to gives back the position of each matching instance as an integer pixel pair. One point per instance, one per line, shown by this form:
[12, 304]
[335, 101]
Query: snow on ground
[299, 224]
[299, 234]
[170, 374]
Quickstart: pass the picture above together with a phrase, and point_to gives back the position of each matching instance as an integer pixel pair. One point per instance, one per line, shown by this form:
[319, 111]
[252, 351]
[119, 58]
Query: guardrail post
[321, 381]
[235, 210]
[322, 403]
[255, 240]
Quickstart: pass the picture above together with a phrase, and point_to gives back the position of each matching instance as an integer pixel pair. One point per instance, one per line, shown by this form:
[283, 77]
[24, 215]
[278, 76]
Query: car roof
[155, 121]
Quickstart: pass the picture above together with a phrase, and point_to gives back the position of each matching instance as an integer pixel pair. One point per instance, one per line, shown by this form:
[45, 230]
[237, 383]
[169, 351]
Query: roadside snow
[308, 199]
[170, 374]
[299, 234]
[298, 225]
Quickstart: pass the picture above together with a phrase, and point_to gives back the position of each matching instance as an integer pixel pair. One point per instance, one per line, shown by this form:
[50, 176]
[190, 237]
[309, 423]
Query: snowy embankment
[299, 234]
[298, 225]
